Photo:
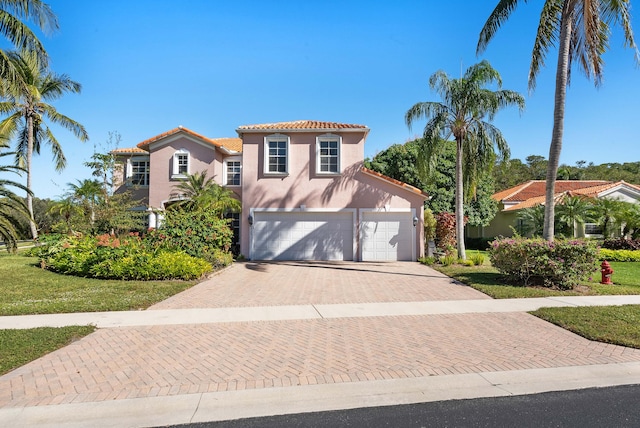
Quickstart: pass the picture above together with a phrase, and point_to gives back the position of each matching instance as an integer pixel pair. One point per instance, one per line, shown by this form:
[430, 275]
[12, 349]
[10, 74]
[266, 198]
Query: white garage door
[387, 236]
[302, 236]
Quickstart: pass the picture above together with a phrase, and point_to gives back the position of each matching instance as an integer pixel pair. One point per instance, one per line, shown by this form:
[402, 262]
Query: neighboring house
[532, 193]
[305, 193]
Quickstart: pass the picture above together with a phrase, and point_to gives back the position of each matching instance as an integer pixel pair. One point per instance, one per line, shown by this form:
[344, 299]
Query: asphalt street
[586, 408]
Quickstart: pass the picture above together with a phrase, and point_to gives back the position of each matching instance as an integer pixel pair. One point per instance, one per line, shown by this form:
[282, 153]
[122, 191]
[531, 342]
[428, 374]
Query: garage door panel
[387, 236]
[303, 236]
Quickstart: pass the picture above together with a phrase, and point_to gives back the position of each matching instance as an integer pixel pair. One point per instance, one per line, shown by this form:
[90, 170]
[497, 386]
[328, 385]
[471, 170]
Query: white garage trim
[387, 234]
[302, 234]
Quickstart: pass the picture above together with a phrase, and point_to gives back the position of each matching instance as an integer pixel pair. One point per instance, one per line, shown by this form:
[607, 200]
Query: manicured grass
[619, 325]
[18, 347]
[28, 289]
[487, 279]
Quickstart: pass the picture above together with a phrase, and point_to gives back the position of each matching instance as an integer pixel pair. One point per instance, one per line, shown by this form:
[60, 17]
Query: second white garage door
[387, 236]
[302, 235]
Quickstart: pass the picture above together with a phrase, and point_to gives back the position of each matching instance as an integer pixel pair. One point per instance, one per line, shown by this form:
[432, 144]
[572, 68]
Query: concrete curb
[206, 407]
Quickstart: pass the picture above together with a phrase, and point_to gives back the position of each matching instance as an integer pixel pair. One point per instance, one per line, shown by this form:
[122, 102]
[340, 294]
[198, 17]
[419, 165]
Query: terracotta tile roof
[535, 188]
[234, 144]
[301, 125]
[394, 181]
[532, 193]
[218, 142]
[128, 150]
[539, 200]
[596, 190]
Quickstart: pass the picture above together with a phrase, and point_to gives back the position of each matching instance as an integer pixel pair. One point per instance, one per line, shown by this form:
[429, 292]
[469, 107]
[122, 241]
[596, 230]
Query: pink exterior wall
[202, 157]
[303, 186]
[138, 193]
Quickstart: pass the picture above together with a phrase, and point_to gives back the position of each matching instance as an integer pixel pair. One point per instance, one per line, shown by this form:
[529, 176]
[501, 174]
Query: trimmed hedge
[560, 264]
[619, 255]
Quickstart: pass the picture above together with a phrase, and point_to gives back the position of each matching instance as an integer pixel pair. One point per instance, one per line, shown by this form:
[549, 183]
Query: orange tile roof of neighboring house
[128, 150]
[301, 125]
[535, 188]
[539, 200]
[394, 181]
[217, 142]
[521, 196]
[596, 190]
[234, 144]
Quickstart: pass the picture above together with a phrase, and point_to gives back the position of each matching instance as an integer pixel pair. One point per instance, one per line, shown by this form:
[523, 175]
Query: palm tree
[581, 30]
[27, 107]
[12, 207]
[198, 191]
[574, 209]
[609, 213]
[68, 208]
[88, 193]
[461, 114]
[12, 12]
[532, 220]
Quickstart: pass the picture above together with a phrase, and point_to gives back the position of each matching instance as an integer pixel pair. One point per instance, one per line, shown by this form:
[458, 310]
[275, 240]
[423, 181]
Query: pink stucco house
[304, 190]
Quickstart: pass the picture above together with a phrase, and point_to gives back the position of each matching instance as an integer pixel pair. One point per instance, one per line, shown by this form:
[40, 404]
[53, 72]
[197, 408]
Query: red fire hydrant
[606, 270]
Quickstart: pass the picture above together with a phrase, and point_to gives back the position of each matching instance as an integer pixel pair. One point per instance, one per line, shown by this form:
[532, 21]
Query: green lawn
[485, 278]
[18, 347]
[28, 289]
[619, 325]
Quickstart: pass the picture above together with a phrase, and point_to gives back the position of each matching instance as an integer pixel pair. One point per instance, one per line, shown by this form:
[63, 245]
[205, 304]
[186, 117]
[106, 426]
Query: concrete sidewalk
[300, 312]
[266, 339]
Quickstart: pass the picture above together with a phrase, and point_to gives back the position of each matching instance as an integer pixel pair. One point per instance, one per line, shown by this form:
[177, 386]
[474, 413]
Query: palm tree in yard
[12, 207]
[89, 193]
[17, 32]
[201, 192]
[466, 109]
[581, 30]
[573, 210]
[27, 106]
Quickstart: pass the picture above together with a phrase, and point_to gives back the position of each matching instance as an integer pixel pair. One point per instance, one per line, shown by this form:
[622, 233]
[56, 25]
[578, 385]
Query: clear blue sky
[147, 66]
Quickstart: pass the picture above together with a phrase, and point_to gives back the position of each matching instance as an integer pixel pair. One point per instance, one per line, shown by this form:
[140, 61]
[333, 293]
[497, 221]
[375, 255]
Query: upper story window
[180, 164]
[328, 154]
[138, 171]
[232, 171]
[276, 154]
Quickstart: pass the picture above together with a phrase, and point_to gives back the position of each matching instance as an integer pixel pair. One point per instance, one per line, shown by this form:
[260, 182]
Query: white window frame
[327, 138]
[129, 171]
[176, 164]
[226, 171]
[273, 139]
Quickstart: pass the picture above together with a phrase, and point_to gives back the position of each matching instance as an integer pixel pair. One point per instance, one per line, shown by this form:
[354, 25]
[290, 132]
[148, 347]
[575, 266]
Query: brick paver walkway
[130, 362]
[303, 283]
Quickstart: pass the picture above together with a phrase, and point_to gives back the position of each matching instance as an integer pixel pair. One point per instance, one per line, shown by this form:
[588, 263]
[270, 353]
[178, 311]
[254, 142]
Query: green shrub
[129, 258]
[477, 259]
[619, 255]
[429, 261]
[562, 263]
[447, 260]
[198, 233]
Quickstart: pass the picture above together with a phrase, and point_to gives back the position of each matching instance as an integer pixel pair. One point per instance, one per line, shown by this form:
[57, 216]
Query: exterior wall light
[415, 221]
[250, 220]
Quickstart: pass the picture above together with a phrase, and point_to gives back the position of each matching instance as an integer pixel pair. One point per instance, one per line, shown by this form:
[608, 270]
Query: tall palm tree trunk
[562, 72]
[32, 223]
[459, 201]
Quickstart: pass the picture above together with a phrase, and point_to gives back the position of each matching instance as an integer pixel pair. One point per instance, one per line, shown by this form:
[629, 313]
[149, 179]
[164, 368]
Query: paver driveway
[315, 283]
[128, 362]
